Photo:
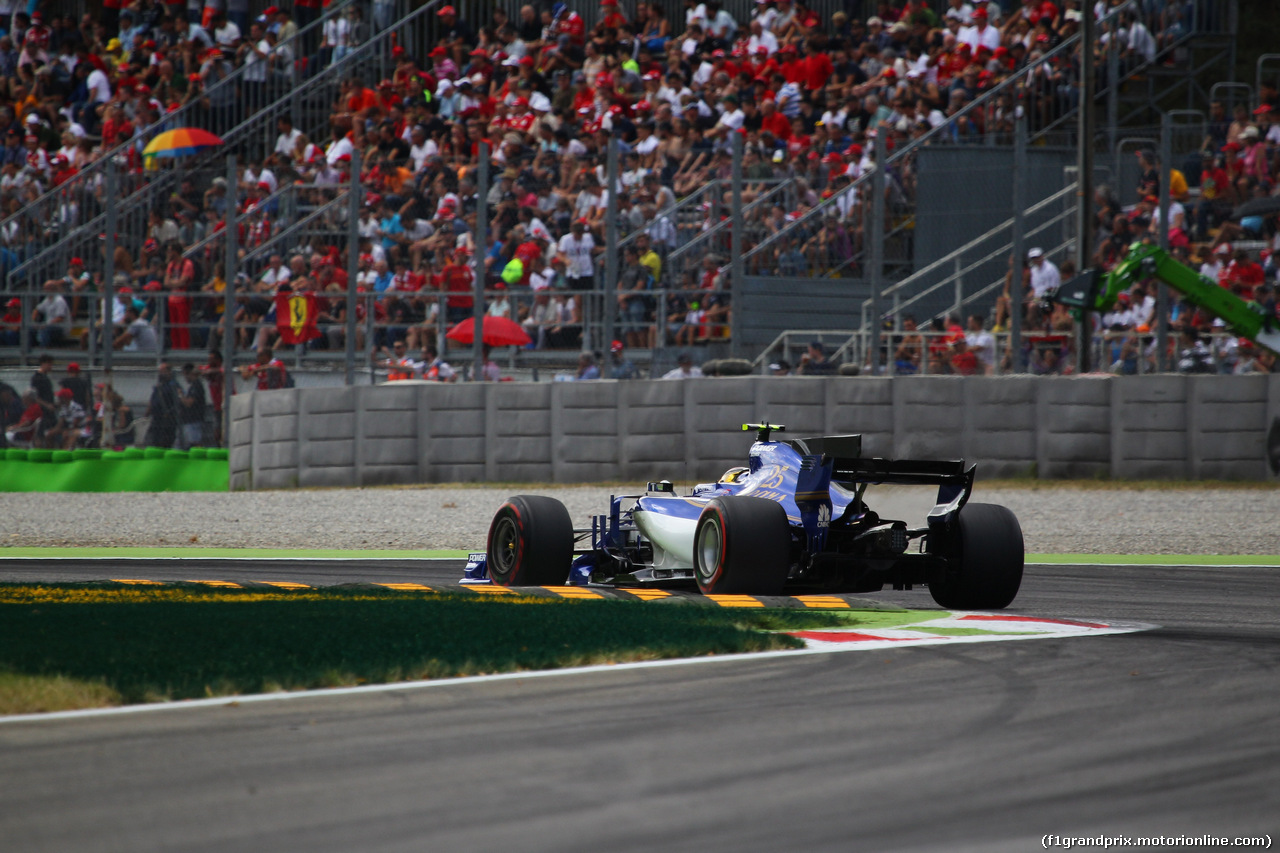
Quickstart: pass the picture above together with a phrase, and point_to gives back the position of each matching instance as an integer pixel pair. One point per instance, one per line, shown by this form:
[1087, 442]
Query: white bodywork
[670, 535]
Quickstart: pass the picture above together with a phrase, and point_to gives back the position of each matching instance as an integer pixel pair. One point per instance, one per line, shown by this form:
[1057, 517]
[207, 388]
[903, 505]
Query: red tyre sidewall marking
[724, 549]
[514, 574]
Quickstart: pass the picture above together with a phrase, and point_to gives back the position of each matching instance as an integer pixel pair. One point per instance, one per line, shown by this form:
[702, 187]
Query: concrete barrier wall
[1199, 427]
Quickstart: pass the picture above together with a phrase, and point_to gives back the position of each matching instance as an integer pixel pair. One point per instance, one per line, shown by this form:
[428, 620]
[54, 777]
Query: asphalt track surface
[985, 747]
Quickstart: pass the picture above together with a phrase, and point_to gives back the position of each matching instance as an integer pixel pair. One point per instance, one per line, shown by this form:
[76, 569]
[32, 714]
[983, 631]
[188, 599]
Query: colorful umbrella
[498, 332]
[180, 142]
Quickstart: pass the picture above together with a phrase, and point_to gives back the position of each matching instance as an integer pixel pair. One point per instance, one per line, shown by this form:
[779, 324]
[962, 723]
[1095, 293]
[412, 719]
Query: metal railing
[903, 294]
[1044, 352]
[716, 239]
[186, 324]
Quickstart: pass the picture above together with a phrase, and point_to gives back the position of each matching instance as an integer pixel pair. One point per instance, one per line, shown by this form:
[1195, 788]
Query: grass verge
[70, 646]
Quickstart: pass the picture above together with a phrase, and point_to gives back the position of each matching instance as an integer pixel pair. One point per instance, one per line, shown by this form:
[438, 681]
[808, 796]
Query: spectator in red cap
[610, 17]
[455, 35]
[11, 323]
[621, 367]
[80, 386]
[980, 33]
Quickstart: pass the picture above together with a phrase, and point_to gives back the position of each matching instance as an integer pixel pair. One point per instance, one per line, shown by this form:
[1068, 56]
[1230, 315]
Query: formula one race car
[793, 519]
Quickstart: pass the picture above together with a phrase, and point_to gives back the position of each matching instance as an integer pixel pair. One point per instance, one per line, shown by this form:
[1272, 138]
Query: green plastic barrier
[131, 470]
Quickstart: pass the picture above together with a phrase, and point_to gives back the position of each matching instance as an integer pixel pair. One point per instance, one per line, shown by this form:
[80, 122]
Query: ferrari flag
[296, 315]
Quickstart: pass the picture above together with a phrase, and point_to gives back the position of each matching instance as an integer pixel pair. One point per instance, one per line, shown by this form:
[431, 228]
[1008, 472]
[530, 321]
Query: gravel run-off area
[1055, 517]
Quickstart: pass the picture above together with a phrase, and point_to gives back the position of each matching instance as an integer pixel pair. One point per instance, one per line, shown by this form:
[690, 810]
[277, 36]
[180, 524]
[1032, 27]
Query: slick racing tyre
[530, 542]
[742, 546]
[986, 560]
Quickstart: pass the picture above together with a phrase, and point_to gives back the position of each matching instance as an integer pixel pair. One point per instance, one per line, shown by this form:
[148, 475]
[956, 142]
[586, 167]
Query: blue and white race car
[793, 519]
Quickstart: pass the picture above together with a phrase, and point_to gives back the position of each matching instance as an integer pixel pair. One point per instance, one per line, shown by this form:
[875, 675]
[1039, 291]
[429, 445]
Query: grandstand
[738, 211]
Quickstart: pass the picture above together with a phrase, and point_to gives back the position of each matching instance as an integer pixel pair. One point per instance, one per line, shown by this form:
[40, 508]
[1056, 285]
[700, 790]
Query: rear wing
[850, 469]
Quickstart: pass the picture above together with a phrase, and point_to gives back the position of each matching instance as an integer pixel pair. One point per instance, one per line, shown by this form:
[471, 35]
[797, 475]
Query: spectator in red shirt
[963, 360]
[116, 128]
[270, 371]
[772, 121]
[361, 101]
[11, 323]
[816, 68]
[610, 16]
[531, 253]
[1242, 275]
[25, 432]
[179, 281]
[63, 171]
[1217, 196]
[457, 281]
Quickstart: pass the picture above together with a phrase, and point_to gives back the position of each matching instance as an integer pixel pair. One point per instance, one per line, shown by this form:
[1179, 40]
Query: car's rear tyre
[742, 546]
[986, 556]
[530, 542]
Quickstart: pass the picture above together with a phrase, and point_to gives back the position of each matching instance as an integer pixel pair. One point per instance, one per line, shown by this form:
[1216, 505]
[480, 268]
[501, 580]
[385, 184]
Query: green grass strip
[22, 553]
[1159, 559]
[105, 644]
[870, 619]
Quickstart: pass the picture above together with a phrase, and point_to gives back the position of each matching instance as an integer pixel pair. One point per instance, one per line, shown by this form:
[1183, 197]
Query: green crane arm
[1097, 291]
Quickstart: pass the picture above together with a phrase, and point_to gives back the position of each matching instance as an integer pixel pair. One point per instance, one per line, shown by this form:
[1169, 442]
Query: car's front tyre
[742, 546]
[530, 542]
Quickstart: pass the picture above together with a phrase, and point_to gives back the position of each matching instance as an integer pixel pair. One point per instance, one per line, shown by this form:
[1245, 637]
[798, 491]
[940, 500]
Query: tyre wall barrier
[1161, 427]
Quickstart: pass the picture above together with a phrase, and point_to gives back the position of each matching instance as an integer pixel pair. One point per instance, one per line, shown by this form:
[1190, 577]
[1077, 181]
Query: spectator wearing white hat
[1045, 277]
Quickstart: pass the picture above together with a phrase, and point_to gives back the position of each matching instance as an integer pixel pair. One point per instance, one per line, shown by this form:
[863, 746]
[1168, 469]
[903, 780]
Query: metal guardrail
[1044, 352]
[423, 319]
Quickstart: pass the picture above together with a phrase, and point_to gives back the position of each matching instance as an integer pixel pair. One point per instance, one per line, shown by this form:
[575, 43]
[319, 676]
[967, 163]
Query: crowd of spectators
[808, 95]
[546, 89]
[1237, 163]
[182, 411]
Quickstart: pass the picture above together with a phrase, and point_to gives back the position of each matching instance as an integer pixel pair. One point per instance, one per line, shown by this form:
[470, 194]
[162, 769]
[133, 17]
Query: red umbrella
[498, 332]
